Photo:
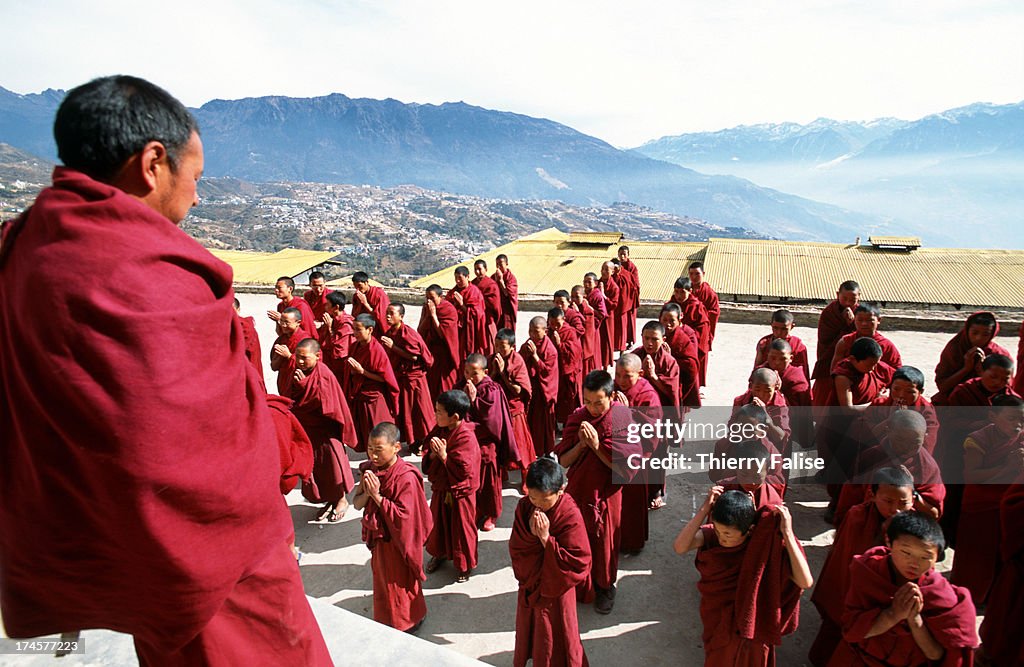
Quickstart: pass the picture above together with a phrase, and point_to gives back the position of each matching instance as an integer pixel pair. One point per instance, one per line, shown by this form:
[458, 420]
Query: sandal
[462, 578]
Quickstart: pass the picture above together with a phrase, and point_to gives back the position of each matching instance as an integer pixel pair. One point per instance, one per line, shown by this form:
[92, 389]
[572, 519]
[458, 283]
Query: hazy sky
[624, 72]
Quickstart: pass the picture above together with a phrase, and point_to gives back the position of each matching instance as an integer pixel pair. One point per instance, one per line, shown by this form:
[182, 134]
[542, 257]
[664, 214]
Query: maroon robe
[776, 473]
[629, 292]
[948, 613]
[472, 321]
[616, 307]
[515, 373]
[834, 428]
[335, 346]
[799, 352]
[1018, 379]
[603, 355]
[831, 327]
[373, 401]
[570, 372]
[1003, 643]
[319, 307]
[951, 360]
[748, 600]
[709, 299]
[252, 344]
[797, 390]
[591, 340]
[378, 302]
[636, 495]
[322, 410]
[630, 267]
[308, 324]
[765, 494]
[415, 418]
[492, 423]
[509, 300]
[957, 422]
[687, 355]
[287, 369]
[492, 309]
[890, 355]
[293, 444]
[540, 414]
[882, 408]
[667, 369]
[596, 491]
[453, 486]
[547, 629]
[696, 317]
[777, 409]
[395, 532]
[105, 498]
[443, 342]
[576, 321]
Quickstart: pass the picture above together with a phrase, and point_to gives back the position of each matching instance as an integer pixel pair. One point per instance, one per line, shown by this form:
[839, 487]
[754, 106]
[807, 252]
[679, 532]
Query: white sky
[624, 72]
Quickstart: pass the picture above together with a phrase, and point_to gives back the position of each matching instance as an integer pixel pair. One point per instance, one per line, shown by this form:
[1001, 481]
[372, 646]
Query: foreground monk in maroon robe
[410, 360]
[782, 327]
[491, 418]
[693, 314]
[550, 557]
[452, 463]
[509, 288]
[1003, 643]
[570, 364]
[591, 338]
[835, 321]
[594, 444]
[124, 508]
[469, 302]
[282, 354]
[316, 297]
[963, 355]
[508, 369]
[899, 610]
[284, 290]
[373, 388]
[626, 265]
[752, 572]
[439, 329]
[252, 341]
[658, 366]
[396, 522]
[369, 300]
[682, 341]
[322, 410]
[541, 357]
[492, 300]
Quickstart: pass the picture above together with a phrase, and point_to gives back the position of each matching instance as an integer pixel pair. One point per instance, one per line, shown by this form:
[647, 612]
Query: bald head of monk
[307, 355]
[291, 320]
[764, 382]
[606, 270]
[474, 369]
[538, 329]
[627, 371]
[907, 430]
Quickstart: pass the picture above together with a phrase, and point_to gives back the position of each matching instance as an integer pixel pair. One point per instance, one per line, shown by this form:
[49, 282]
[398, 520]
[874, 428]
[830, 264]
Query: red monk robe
[628, 294]
[951, 360]
[472, 321]
[287, 366]
[492, 309]
[890, 355]
[293, 445]
[687, 355]
[335, 343]
[453, 486]
[948, 613]
[1018, 379]
[667, 369]
[797, 390]
[832, 325]
[748, 600]
[308, 324]
[442, 339]
[318, 304]
[411, 361]
[575, 320]
[777, 408]
[512, 377]
[776, 475]
[764, 494]
[142, 480]
[570, 371]
[395, 532]
[591, 340]
[636, 495]
[860, 531]
[252, 345]
[509, 288]
[958, 422]
[1003, 642]
[630, 267]
[540, 415]
[799, 353]
[978, 534]
[696, 317]
[592, 486]
[709, 299]
[602, 315]
[492, 421]
[376, 306]
[547, 629]
[613, 323]
[373, 401]
[882, 408]
[920, 464]
[833, 428]
[322, 410]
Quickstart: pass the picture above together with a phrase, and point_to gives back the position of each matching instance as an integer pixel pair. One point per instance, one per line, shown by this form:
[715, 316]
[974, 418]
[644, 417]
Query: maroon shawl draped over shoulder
[509, 299]
[443, 342]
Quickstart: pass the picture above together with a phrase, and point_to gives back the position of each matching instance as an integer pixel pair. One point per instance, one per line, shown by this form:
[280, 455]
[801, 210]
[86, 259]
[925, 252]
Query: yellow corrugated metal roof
[796, 270]
[264, 268]
[607, 238]
[547, 261]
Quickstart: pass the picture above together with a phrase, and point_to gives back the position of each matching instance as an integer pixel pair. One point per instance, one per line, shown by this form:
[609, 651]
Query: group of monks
[458, 391]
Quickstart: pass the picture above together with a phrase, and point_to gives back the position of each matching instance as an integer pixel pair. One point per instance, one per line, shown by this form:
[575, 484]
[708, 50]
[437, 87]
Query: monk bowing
[508, 369]
[369, 300]
[396, 522]
[550, 557]
[290, 334]
[410, 360]
[570, 364]
[492, 301]
[321, 408]
[284, 289]
[439, 329]
[452, 464]
[541, 357]
[469, 302]
[509, 288]
[373, 387]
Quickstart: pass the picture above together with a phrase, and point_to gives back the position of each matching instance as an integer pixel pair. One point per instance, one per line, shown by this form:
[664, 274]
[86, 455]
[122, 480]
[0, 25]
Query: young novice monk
[550, 556]
[452, 463]
[782, 327]
[899, 610]
[752, 571]
[396, 522]
[796, 387]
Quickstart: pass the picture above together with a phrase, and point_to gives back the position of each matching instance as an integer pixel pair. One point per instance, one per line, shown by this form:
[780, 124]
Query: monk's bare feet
[434, 564]
[488, 525]
[341, 507]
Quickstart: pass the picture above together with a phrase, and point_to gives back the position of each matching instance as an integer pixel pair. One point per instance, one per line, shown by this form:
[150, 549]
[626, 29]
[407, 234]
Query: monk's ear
[152, 161]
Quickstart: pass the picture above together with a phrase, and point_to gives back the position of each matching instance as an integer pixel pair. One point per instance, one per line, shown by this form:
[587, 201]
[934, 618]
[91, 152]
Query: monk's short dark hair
[911, 374]
[898, 477]
[436, 290]
[477, 359]
[455, 402]
[480, 262]
[1007, 401]
[671, 308]
[849, 286]
[385, 430]
[507, 335]
[871, 308]
[237, 303]
[308, 344]
[461, 271]
[749, 449]
[735, 509]
[556, 312]
[501, 257]
[590, 274]
[316, 274]
[782, 345]
[101, 124]
[287, 280]
[599, 381]
[917, 525]
[683, 282]
[360, 277]
[998, 360]
[782, 315]
[398, 306]
[294, 312]
[564, 294]
[366, 320]
[337, 298]
[696, 265]
[983, 318]
[546, 475]
[654, 325]
[751, 411]
[865, 347]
